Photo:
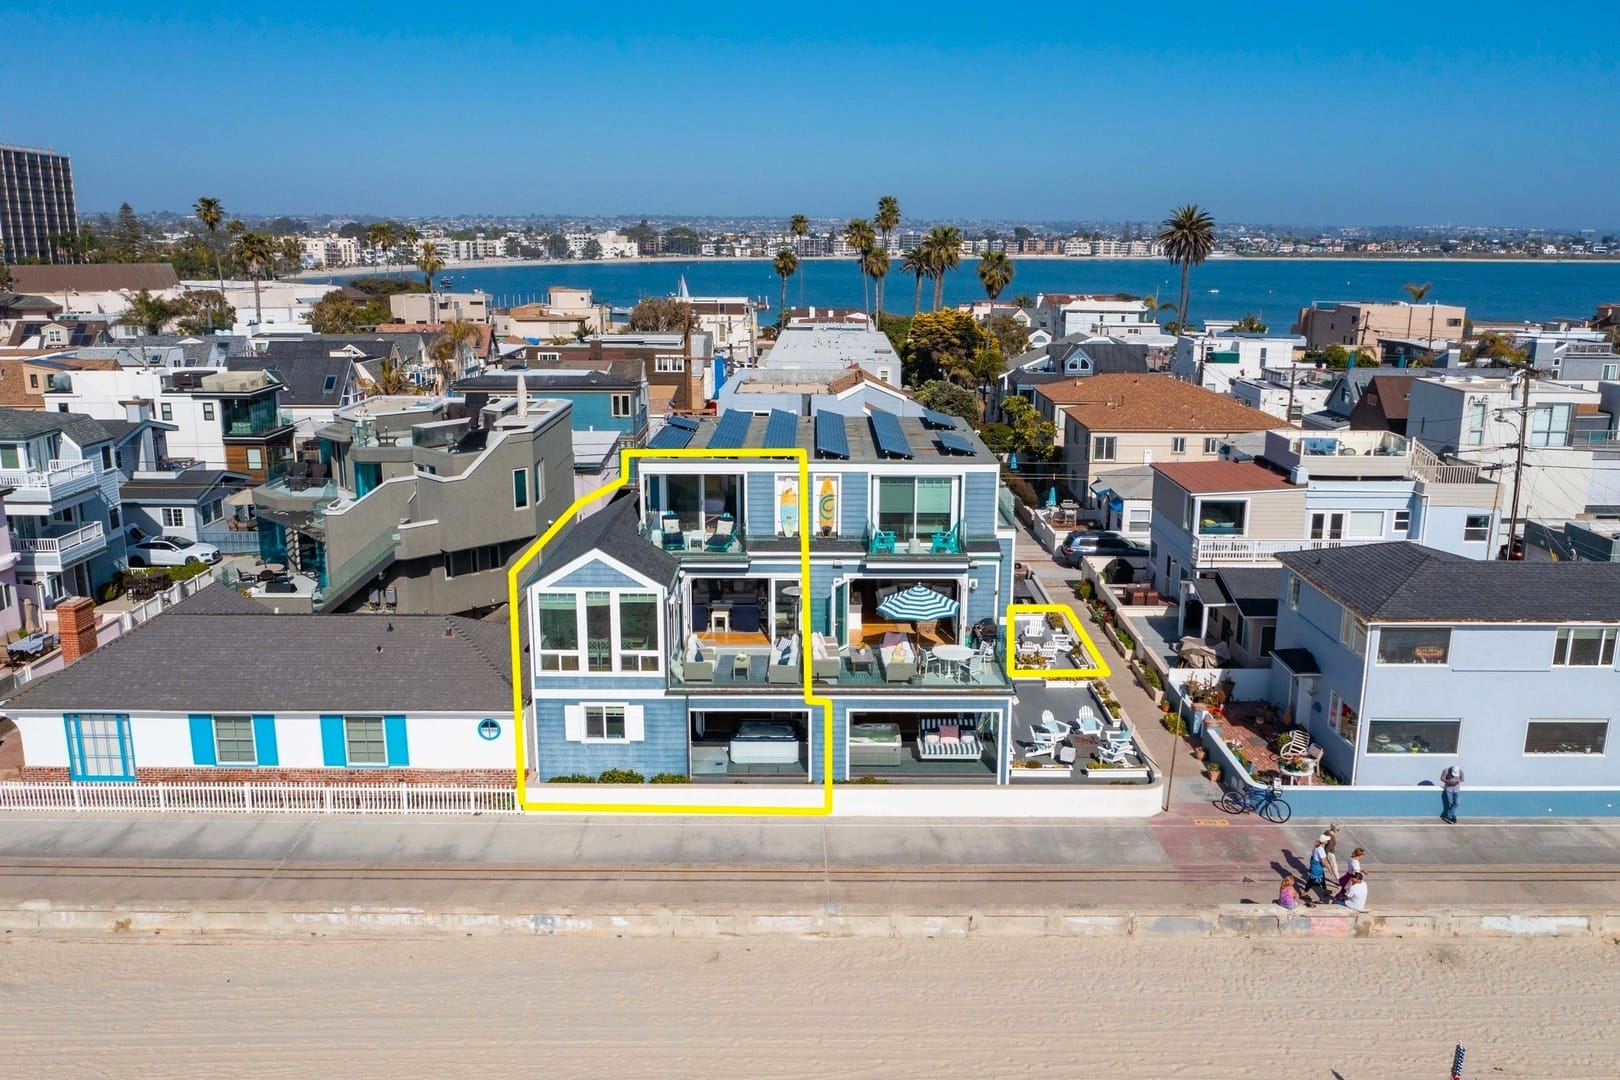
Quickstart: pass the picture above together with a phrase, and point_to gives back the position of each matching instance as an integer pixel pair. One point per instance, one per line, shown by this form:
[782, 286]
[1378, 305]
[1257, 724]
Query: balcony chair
[1115, 753]
[944, 543]
[725, 533]
[1042, 743]
[883, 543]
[1086, 720]
[669, 528]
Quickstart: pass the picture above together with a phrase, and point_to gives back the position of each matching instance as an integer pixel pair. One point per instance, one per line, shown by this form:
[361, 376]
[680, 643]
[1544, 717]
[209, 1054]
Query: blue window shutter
[202, 739]
[264, 741]
[399, 752]
[334, 751]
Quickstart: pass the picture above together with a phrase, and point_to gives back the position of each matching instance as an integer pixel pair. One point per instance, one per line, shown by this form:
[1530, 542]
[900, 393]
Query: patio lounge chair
[944, 543]
[724, 533]
[669, 526]
[784, 666]
[1086, 720]
[698, 662]
[883, 543]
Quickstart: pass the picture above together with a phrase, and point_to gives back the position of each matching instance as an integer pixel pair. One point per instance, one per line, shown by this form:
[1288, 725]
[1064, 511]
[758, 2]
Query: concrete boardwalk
[1191, 857]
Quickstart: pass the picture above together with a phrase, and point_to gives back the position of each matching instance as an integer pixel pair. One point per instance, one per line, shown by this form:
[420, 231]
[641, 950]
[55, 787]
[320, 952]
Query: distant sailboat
[681, 293]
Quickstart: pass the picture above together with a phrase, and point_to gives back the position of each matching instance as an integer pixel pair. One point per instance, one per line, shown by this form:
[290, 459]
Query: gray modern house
[414, 505]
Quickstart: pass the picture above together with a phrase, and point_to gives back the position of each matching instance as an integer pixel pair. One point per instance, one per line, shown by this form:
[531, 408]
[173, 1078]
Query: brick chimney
[76, 621]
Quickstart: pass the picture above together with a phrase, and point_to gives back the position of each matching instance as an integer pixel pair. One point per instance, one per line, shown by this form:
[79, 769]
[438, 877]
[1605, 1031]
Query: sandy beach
[673, 1009]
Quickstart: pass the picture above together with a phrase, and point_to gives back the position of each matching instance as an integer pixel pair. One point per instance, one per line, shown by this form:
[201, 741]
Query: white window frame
[1101, 442]
[577, 720]
[219, 743]
[173, 517]
[1366, 518]
[1352, 632]
[623, 661]
[600, 716]
[1475, 431]
[1337, 708]
[669, 365]
[621, 406]
[1293, 592]
[1198, 517]
[348, 740]
[1372, 747]
[1484, 531]
[1327, 525]
[520, 500]
[1403, 521]
[1212, 445]
[1178, 444]
[1606, 644]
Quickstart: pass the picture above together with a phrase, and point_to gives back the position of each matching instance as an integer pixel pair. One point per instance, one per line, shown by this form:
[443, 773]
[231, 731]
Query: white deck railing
[257, 798]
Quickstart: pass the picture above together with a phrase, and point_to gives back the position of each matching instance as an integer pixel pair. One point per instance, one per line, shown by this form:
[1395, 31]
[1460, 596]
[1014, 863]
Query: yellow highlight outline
[1099, 671]
[627, 459]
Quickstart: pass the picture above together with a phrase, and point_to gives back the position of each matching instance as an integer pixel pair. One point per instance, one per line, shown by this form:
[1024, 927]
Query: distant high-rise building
[36, 202]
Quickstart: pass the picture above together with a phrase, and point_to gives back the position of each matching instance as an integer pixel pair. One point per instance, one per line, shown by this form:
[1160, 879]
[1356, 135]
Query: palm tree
[799, 226]
[944, 246]
[1188, 237]
[858, 234]
[887, 218]
[382, 234]
[291, 251]
[875, 265]
[211, 214]
[915, 262]
[1417, 293]
[1024, 302]
[995, 273]
[786, 265]
[428, 261]
[148, 313]
[391, 379]
[256, 253]
[449, 350]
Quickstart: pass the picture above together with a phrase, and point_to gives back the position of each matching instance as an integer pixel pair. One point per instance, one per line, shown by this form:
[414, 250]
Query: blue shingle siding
[596, 576]
[979, 504]
[821, 582]
[981, 602]
[760, 504]
[852, 494]
[663, 749]
[602, 682]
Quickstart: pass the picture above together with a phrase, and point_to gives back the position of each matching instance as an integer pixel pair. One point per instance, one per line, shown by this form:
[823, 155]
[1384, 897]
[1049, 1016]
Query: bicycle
[1267, 802]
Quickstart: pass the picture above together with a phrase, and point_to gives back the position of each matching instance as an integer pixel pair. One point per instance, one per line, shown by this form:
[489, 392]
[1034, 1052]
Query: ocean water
[1273, 289]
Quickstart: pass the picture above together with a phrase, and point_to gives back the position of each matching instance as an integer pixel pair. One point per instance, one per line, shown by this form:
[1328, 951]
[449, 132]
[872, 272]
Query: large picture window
[915, 507]
[99, 747]
[1222, 517]
[638, 632]
[1565, 736]
[1414, 645]
[1352, 632]
[1342, 718]
[1581, 646]
[1412, 736]
[559, 631]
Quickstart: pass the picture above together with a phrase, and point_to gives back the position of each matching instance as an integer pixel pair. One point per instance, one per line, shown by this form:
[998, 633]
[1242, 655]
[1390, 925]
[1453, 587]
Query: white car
[171, 551]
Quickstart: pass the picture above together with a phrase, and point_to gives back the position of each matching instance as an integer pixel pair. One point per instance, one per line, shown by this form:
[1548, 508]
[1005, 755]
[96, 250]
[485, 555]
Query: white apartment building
[1127, 249]
[615, 245]
[1227, 357]
[1062, 314]
[458, 251]
[330, 251]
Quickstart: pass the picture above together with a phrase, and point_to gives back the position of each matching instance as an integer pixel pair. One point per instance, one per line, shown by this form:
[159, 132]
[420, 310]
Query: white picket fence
[256, 798]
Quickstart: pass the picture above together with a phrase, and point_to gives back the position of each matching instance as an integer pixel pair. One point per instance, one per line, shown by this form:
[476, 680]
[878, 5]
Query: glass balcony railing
[917, 540]
[257, 424]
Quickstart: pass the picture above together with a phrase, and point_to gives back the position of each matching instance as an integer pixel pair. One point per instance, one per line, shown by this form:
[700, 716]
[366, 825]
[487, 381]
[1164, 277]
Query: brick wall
[426, 777]
[76, 622]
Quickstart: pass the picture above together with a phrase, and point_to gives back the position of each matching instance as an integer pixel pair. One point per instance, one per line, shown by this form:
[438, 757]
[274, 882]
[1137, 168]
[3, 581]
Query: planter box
[1154, 693]
[1138, 773]
[1056, 772]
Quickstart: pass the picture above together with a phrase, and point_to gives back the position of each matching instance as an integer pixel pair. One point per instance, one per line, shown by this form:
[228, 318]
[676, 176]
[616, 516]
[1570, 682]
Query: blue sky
[1372, 113]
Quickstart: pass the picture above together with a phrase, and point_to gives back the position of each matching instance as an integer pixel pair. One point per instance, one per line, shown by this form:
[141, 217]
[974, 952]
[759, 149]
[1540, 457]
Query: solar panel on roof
[955, 442]
[891, 441]
[671, 436]
[938, 419]
[685, 423]
[831, 440]
[782, 431]
[731, 431]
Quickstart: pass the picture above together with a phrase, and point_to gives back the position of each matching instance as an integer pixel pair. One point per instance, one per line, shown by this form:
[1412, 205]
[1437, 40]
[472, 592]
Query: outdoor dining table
[32, 645]
[955, 655]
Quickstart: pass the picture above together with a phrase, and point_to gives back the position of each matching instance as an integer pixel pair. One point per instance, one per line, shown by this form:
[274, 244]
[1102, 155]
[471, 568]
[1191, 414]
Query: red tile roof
[1205, 477]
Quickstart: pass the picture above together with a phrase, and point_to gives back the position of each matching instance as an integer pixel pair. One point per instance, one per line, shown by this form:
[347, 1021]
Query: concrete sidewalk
[1190, 857]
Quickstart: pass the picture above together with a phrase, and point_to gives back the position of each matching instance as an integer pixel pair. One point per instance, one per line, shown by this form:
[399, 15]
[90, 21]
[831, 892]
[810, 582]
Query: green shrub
[1086, 590]
[573, 778]
[1174, 724]
[670, 778]
[620, 776]
[110, 591]
[1150, 678]
[1021, 489]
[868, 780]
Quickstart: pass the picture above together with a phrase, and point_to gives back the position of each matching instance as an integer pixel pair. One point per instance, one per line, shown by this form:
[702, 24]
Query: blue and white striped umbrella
[918, 604]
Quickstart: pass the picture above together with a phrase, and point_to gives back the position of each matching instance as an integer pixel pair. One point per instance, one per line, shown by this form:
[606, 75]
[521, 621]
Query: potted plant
[1212, 769]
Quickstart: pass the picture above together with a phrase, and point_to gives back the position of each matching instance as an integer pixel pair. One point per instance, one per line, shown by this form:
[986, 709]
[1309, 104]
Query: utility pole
[1518, 467]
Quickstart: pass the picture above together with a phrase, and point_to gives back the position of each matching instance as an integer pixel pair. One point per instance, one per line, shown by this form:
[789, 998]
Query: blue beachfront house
[1401, 660]
[666, 630]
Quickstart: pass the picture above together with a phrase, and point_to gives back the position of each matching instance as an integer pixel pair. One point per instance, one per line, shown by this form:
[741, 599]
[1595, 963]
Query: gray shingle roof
[32, 423]
[188, 486]
[215, 657]
[612, 531]
[304, 379]
[1252, 589]
[1404, 582]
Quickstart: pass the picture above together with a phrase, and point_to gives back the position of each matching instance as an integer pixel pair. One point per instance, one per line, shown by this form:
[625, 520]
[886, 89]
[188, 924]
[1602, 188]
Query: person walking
[1451, 782]
[1330, 860]
[1314, 878]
